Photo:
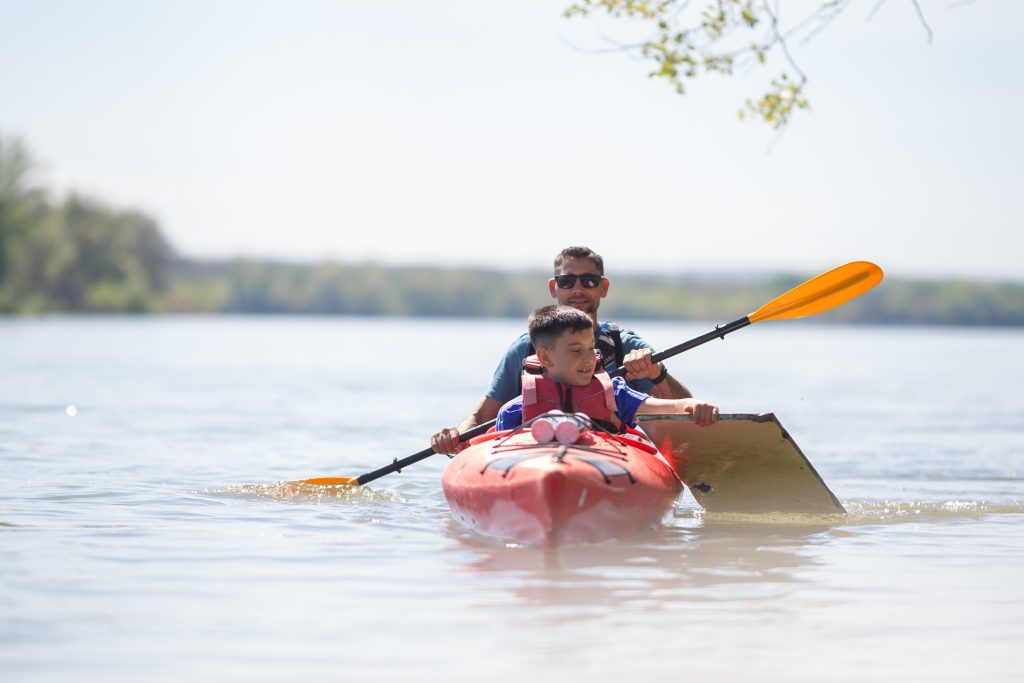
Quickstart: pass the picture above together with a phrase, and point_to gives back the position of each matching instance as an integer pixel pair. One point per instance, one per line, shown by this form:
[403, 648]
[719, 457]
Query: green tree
[84, 256]
[78, 255]
[21, 204]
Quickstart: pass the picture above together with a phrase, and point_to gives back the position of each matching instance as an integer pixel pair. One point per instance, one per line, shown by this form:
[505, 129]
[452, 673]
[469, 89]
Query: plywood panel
[744, 463]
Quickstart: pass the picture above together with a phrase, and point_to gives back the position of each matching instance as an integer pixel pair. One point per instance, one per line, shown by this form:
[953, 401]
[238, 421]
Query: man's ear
[553, 288]
[544, 356]
[604, 286]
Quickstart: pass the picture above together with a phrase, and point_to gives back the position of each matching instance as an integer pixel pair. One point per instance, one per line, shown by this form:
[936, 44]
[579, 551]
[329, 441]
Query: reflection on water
[741, 558]
[669, 564]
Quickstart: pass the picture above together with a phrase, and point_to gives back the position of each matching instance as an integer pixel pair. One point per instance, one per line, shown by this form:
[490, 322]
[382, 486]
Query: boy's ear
[544, 356]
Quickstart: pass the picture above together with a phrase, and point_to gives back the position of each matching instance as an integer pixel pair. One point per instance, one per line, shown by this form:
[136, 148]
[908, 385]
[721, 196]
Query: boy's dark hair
[579, 252]
[547, 324]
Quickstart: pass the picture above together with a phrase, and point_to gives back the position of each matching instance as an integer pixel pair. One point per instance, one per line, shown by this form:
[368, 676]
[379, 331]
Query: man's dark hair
[579, 252]
[547, 324]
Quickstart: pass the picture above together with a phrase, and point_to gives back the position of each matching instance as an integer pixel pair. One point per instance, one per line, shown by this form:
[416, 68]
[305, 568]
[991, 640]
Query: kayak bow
[509, 486]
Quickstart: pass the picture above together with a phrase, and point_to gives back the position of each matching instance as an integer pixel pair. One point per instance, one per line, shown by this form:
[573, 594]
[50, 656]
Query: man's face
[572, 360]
[578, 295]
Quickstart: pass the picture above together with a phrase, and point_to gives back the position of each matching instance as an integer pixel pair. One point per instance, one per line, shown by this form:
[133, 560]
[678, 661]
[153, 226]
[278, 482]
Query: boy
[565, 374]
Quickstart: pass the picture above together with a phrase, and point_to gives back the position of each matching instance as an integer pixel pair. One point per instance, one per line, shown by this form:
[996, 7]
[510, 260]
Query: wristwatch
[661, 375]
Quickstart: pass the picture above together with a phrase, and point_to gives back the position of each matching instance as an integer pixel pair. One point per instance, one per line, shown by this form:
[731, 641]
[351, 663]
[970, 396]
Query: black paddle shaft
[717, 333]
[397, 465]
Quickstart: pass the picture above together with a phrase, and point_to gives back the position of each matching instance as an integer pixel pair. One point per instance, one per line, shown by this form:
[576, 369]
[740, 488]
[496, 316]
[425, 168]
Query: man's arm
[485, 412]
[670, 387]
[447, 440]
[504, 383]
[638, 365]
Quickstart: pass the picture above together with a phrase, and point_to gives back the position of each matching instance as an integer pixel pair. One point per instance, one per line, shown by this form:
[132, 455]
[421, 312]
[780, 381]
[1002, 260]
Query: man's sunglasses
[569, 281]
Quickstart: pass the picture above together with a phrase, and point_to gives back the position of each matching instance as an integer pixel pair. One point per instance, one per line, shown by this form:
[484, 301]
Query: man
[579, 282]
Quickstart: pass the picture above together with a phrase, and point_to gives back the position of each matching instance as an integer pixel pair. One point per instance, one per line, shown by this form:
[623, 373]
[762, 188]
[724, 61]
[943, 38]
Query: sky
[491, 133]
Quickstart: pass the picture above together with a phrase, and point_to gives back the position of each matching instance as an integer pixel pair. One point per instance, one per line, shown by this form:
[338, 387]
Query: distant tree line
[349, 289]
[78, 255]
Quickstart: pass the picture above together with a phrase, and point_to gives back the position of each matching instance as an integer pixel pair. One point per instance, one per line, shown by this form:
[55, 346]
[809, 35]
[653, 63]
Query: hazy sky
[492, 133]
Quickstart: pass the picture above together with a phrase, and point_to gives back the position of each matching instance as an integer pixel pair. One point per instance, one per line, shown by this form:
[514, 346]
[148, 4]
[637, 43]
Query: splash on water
[302, 491]
[904, 511]
[865, 513]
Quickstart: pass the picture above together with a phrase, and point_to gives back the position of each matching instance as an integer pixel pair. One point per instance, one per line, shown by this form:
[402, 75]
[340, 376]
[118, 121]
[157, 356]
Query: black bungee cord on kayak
[606, 468]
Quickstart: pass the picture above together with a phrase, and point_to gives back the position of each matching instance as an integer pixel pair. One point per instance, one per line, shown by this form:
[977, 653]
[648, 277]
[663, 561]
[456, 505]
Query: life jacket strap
[609, 390]
[529, 388]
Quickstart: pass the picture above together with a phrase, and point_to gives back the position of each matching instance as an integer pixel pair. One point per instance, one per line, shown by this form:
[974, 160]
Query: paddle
[822, 293]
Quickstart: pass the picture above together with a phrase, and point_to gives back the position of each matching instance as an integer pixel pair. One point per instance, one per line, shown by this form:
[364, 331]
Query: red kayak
[510, 486]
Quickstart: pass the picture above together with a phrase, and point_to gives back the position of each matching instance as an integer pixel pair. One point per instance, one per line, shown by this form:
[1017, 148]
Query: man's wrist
[661, 375]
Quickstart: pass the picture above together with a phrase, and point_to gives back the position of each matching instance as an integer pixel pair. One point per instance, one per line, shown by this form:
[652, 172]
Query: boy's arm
[704, 413]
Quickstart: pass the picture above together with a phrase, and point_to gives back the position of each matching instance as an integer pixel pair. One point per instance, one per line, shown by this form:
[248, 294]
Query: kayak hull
[508, 486]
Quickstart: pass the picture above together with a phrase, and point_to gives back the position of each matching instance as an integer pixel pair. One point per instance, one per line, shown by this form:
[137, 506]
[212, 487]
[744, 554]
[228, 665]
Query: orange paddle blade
[329, 481]
[826, 291]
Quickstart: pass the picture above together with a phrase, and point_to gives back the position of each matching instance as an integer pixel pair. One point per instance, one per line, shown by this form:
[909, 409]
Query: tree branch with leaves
[720, 37]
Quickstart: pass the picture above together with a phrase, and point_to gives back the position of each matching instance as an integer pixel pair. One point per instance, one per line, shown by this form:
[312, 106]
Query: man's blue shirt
[505, 385]
[627, 402]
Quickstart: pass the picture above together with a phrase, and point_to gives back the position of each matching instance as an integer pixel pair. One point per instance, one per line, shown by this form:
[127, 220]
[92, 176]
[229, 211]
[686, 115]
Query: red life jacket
[596, 400]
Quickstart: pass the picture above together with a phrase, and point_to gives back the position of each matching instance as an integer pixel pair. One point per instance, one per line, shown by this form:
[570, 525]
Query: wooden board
[744, 463]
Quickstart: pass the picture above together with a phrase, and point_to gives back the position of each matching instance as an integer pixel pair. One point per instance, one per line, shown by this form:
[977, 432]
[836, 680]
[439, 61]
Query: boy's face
[572, 360]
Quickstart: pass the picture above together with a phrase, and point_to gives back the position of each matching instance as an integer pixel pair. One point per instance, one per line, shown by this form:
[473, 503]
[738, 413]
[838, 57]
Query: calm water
[131, 547]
